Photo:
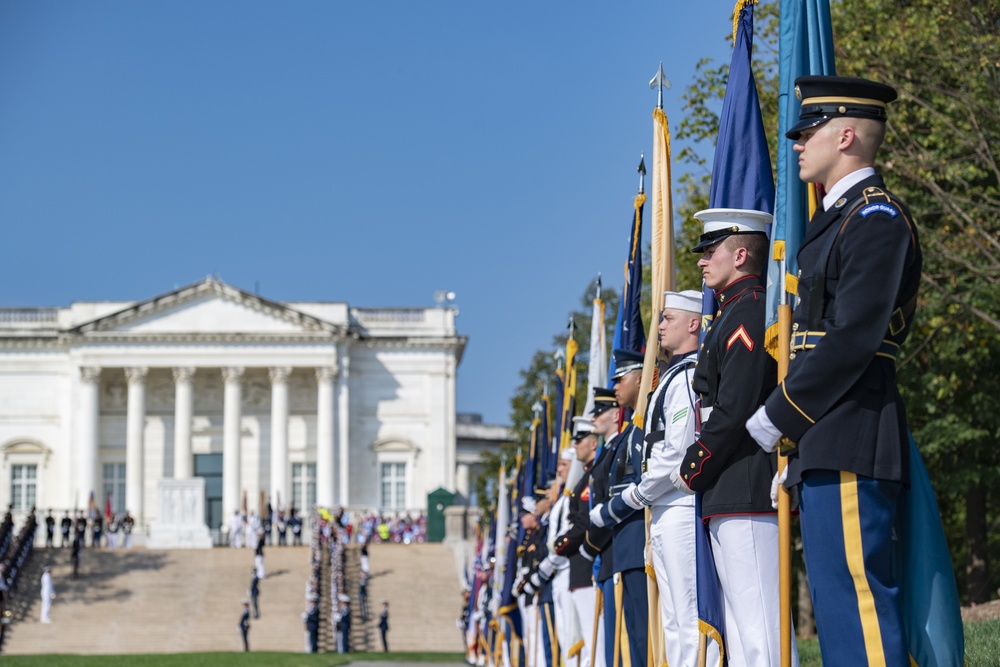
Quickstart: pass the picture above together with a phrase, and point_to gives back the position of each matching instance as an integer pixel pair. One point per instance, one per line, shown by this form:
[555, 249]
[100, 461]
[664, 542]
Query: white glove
[763, 430]
[586, 554]
[779, 478]
[595, 516]
[628, 496]
[680, 484]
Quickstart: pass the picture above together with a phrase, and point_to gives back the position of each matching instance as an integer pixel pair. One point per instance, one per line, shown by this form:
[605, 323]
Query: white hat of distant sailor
[724, 222]
[567, 454]
[689, 300]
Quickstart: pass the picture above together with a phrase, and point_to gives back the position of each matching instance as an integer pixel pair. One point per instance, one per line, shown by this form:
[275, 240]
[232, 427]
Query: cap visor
[796, 130]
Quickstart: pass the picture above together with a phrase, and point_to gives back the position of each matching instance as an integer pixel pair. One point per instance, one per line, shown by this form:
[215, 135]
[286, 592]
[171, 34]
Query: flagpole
[784, 507]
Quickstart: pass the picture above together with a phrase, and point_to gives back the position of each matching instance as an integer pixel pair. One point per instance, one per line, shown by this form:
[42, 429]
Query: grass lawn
[982, 649]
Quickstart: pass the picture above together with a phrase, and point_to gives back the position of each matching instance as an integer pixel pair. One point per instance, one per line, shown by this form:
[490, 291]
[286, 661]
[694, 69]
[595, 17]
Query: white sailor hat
[689, 300]
[723, 222]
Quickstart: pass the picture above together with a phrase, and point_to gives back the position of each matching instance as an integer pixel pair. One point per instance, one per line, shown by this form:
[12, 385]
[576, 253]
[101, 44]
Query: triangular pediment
[206, 308]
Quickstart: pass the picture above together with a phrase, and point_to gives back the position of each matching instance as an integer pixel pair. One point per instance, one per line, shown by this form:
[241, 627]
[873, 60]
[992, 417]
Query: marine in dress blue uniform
[860, 264]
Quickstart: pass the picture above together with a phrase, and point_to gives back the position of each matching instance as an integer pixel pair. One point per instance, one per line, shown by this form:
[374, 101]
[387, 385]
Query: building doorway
[209, 467]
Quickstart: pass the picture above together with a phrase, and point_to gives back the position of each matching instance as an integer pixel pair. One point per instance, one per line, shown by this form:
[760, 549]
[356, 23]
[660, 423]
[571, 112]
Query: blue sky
[367, 152]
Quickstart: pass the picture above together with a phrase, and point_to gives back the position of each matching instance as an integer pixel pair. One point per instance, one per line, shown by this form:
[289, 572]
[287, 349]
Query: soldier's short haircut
[757, 246]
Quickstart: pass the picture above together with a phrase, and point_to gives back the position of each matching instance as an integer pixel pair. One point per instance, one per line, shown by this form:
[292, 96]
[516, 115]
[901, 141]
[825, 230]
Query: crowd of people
[372, 528]
[107, 530]
[697, 460]
[245, 529]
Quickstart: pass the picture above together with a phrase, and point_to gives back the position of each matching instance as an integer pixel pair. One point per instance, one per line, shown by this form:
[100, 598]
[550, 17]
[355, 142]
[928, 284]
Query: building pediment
[208, 308]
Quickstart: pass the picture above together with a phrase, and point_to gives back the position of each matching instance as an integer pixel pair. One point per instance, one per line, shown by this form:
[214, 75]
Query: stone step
[169, 601]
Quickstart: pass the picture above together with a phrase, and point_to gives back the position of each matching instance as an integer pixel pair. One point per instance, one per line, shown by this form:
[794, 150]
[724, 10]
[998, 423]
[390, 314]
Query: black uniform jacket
[581, 569]
[733, 377]
[597, 541]
[839, 401]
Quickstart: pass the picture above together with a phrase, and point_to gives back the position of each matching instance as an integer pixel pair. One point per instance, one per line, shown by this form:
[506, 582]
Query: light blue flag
[927, 590]
[805, 48]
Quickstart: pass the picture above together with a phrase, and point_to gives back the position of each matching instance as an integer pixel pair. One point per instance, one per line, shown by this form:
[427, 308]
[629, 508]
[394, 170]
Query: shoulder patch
[888, 209]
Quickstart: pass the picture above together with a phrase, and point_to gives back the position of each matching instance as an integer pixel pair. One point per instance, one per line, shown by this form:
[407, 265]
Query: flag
[741, 178]
[629, 333]
[927, 590]
[107, 506]
[805, 47]
[548, 438]
[661, 254]
[597, 369]
[565, 433]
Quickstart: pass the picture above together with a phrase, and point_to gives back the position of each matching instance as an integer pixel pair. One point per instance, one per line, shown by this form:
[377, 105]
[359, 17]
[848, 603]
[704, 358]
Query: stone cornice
[209, 286]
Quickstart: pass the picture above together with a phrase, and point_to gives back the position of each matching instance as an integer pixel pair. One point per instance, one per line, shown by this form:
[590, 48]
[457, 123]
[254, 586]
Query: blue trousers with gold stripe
[847, 531]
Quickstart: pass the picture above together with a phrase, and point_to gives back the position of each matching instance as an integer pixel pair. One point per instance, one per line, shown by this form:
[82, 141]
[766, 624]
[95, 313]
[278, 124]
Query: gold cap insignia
[798, 94]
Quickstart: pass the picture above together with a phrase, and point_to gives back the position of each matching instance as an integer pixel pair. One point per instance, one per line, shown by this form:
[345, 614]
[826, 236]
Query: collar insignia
[840, 203]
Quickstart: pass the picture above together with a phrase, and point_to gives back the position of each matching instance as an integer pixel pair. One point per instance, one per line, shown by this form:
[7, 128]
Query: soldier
[669, 429]
[569, 543]
[628, 527]
[65, 526]
[733, 376]
[127, 524]
[245, 625]
[553, 571]
[50, 529]
[531, 552]
[860, 265]
[255, 591]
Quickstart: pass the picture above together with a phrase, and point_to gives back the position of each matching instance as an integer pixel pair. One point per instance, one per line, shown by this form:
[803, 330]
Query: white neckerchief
[845, 184]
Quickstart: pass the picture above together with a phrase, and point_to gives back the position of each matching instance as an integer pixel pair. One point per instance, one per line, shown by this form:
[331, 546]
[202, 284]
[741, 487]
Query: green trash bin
[437, 501]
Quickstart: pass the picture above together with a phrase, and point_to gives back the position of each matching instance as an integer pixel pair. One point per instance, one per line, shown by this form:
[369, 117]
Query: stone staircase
[172, 601]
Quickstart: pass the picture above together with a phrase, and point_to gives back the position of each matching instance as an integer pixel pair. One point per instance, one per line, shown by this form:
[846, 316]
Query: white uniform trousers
[567, 623]
[584, 601]
[745, 548]
[672, 544]
[531, 635]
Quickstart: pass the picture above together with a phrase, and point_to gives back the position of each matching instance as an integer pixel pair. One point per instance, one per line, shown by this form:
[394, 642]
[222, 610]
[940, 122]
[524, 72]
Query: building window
[393, 476]
[114, 487]
[23, 486]
[304, 486]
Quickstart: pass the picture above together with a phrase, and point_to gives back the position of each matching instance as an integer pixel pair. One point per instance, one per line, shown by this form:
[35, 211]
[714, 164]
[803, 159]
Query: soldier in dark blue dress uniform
[860, 264]
[733, 376]
[628, 527]
[597, 540]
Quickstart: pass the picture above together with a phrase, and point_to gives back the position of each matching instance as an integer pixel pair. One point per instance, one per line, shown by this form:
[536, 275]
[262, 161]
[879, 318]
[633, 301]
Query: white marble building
[299, 403]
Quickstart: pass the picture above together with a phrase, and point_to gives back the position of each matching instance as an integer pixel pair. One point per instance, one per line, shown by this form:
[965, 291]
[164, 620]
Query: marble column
[450, 443]
[87, 465]
[183, 414]
[462, 480]
[135, 426]
[279, 436]
[232, 415]
[324, 436]
[343, 430]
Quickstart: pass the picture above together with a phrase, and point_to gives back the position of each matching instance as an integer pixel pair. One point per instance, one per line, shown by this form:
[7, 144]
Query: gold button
[685, 476]
[700, 454]
[692, 465]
